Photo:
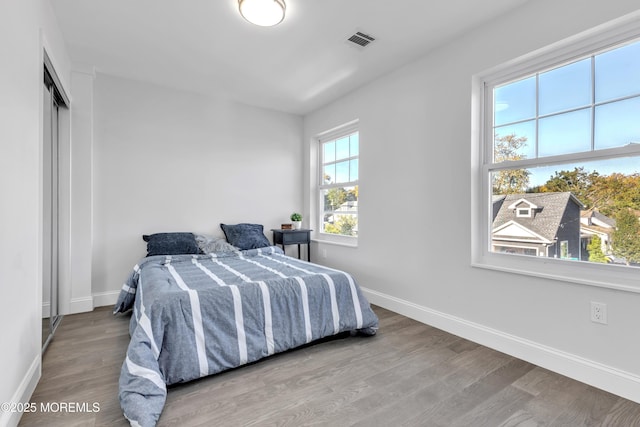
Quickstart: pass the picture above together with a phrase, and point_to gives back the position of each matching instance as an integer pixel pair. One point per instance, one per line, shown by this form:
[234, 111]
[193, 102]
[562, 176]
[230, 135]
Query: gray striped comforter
[196, 315]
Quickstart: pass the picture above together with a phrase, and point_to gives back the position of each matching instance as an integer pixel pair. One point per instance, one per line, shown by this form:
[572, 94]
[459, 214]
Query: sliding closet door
[52, 102]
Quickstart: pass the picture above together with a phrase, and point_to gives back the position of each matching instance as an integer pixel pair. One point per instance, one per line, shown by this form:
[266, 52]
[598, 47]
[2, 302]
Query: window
[338, 183]
[558, 147]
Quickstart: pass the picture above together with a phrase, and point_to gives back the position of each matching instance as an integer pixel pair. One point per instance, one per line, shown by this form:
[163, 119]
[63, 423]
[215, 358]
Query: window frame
[604, 37]
[322, 138]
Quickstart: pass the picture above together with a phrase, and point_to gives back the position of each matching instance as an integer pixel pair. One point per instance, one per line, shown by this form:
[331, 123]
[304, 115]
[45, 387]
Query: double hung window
[559, 160]
[338, 182]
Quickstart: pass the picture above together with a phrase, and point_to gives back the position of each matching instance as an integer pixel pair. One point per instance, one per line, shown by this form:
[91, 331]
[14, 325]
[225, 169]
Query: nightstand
[293, 237]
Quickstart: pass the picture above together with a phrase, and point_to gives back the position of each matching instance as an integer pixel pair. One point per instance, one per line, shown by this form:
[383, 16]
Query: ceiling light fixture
[265, 13]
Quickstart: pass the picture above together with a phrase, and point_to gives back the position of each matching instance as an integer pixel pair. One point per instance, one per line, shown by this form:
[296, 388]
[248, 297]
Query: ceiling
[205, 46]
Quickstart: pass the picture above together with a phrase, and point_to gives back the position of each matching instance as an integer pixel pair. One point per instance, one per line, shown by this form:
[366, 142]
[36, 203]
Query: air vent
[361, 39]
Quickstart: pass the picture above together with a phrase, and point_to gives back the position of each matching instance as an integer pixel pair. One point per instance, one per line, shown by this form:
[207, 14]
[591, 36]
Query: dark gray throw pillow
[171, 244]
[245, 236]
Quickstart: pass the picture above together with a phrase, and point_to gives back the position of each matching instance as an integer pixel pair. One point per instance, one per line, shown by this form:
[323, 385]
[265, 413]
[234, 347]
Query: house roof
[522, 201]
[598, 219]
[548, 215]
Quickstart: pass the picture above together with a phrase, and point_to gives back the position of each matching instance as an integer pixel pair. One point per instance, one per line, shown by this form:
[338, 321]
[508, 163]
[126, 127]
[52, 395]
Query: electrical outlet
[599, 312]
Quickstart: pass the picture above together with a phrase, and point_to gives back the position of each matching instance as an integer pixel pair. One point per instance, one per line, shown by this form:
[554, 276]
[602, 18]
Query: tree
[506, 148]
[595, 250]
[345, 225]
[578, 182]
[352, 194]
[336, 197]
[626, 237]
[607, 193]
[616, 192]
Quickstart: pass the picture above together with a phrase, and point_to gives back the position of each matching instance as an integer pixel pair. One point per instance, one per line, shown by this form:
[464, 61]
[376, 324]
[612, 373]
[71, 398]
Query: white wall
[78, 297]
[166, 160]
[414, 245]
[25, 28]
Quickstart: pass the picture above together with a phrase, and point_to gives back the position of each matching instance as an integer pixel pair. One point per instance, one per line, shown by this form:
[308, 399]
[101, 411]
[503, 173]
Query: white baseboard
[102, 299]
[85, 304]
[596, 374]
[81, 305]
[46, 310]
[24, 393]
[76, 305]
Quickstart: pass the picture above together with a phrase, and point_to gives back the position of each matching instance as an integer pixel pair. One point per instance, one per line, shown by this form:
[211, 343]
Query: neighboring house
[349, 206]
[593, 223]
[539, 224]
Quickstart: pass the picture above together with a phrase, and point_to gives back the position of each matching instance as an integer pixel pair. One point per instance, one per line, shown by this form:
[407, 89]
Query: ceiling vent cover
[361, 39]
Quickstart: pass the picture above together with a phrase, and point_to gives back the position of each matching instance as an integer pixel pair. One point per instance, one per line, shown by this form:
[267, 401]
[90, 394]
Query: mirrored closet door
[53, 100]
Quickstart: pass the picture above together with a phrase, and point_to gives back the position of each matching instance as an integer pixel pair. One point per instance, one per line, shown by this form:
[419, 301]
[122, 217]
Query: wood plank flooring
[410, 374]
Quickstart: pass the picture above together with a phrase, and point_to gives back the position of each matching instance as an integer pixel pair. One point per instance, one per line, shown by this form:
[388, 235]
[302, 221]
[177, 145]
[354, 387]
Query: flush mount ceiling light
[265, 13]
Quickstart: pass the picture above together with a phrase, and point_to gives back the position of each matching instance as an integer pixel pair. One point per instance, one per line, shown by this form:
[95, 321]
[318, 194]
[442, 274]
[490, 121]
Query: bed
[204, 311]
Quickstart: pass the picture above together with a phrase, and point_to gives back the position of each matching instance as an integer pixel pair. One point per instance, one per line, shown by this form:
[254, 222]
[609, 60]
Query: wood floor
[408, 375]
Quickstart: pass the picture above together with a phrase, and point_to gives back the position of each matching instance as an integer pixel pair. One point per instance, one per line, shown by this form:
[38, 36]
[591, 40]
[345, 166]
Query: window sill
[615, 277]
[331, 242]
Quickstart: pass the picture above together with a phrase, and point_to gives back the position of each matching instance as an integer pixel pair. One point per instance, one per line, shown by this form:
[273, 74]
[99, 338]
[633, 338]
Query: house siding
[569, 230]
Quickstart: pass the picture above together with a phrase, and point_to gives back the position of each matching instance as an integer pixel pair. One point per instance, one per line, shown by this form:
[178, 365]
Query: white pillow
[209, 244]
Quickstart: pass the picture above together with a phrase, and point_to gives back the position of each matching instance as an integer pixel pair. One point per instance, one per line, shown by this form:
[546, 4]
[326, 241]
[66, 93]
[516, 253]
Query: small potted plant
[296, 218]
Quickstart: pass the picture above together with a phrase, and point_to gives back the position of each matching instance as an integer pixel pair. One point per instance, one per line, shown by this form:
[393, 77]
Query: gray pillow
[245, 236]
[209, 244]
[171, 244]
